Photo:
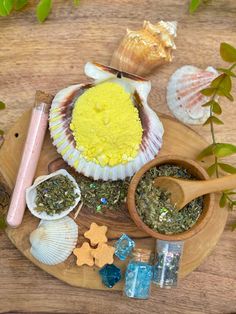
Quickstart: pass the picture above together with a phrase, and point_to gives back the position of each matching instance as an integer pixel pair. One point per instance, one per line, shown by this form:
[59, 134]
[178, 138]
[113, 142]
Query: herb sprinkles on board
[155, 208]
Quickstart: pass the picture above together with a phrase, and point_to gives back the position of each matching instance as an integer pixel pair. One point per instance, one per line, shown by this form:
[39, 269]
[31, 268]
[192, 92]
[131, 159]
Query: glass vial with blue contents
[138, 276]
[166, 267]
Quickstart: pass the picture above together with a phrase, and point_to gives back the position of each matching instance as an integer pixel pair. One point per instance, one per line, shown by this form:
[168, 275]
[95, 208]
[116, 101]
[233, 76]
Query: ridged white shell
[53, 241]
[31, 196]
[60, 117]
[183, 93]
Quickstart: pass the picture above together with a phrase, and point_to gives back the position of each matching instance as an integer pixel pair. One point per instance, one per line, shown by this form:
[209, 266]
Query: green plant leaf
[2, 105]
[20, 4]
[227, 52]
[222, 92]
[76, 2]
[43, 9]
[223, 81]
[5, 7]
[216, 108]
[208, 91]
[209, 103]
[3, 11]
[208, 151]
[224, 149]
[211, 170]
[213, 119]
[226, 71]
[227, 168]
[223, 200]
[194, 4]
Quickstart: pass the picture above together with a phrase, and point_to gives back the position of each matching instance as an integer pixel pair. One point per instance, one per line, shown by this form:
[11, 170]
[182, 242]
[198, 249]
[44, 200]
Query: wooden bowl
[193, 168]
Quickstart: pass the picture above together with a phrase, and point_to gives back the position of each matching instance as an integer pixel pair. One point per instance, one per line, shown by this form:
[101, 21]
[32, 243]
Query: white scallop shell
[183, 93]
[31, 196]
[53, 241]
[63, 139]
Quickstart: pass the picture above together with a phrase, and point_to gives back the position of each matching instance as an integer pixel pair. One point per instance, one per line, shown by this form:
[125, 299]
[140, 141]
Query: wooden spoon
[184, 191]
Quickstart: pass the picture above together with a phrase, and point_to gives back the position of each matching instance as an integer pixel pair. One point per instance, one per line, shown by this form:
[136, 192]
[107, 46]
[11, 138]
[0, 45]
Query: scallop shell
[140, 52]
[31, 196]
[63, 139]
[183, 93]
[53, 241]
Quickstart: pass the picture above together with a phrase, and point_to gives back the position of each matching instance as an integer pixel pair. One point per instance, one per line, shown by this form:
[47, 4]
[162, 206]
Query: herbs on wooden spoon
[221, 86]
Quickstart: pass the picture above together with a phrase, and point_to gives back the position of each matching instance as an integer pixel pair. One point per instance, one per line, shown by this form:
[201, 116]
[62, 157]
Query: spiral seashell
[31, 196]
[53, 241]
[61, 114]
[140, 52]
[184, 98]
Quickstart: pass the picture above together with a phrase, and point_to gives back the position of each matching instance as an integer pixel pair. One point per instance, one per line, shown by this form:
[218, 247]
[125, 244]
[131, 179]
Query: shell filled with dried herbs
[53, 196]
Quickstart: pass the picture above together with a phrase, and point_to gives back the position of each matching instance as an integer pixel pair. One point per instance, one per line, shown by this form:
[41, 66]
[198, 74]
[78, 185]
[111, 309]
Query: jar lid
[142, 255]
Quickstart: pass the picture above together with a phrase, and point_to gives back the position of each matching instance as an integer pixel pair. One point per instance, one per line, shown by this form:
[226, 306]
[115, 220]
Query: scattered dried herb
[155, 208]
[55, 195]
[4, 202]
[101, 195]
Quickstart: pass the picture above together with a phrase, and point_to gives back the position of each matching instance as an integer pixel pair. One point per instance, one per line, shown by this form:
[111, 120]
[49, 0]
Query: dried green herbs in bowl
[53, 196]
[154, 206]
[151, 208]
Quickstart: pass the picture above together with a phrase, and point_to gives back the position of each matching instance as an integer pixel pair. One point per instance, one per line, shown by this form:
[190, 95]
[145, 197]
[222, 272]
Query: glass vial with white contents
[138, 275]
[167, 263]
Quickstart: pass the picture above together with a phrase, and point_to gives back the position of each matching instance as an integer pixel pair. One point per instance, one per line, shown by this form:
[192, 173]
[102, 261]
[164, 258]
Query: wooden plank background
[51, 56]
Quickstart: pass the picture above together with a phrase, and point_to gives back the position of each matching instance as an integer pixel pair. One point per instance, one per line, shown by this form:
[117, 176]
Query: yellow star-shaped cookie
[103, 254]
[84, 255]
[96, 234]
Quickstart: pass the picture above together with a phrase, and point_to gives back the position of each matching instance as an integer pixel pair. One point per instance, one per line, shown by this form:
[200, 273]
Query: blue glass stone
[103, 200]
[138, 279]
[124, 247]
[110, 275]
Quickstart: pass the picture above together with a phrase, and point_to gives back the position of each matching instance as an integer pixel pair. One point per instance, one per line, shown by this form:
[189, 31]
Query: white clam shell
[53, 241]
[183, 93]
[60, 118]
[31, 196]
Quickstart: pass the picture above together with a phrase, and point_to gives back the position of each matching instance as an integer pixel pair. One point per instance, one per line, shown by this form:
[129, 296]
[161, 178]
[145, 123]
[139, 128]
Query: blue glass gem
[110, 275]
[138, 279]
[103, 201]
[123, 247]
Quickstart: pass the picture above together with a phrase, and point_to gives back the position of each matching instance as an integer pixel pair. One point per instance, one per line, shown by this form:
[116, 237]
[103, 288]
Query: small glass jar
[138, 276]
[166, 267]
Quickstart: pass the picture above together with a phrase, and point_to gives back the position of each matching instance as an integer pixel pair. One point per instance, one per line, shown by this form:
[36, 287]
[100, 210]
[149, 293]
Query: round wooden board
[178, 140]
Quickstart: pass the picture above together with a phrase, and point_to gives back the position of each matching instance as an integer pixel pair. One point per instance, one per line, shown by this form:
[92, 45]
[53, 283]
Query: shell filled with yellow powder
[106, 130]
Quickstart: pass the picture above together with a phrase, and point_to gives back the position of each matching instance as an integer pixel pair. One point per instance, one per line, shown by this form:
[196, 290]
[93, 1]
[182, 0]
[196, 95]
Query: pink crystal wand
[30, 157]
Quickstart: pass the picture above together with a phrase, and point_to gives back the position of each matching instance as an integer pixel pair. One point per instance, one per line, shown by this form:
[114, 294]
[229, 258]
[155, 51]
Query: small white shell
[31, 196]
[63, 139]
[53, 241]
[183, 93]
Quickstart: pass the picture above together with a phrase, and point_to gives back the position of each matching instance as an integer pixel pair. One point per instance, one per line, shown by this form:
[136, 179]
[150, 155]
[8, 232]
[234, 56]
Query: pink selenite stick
[30, 157]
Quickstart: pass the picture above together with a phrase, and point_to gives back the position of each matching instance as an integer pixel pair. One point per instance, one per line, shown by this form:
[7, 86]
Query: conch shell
[140, 52]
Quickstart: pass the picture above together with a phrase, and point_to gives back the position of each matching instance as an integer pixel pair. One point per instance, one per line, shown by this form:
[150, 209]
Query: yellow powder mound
[106, 125]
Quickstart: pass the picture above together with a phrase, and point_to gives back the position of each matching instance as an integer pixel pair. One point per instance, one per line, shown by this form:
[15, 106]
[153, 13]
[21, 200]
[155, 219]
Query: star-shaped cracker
[103, 254]
[83, 254]
[96, 234]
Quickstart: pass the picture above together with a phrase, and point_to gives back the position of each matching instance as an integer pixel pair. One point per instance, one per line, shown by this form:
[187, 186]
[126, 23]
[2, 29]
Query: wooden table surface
[51, 56]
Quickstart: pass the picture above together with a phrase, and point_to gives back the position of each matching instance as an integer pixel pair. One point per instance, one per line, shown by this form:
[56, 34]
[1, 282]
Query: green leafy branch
[42, 10]
[220, 86]
[195, 4]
